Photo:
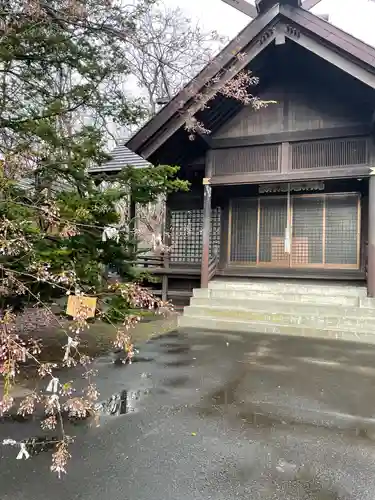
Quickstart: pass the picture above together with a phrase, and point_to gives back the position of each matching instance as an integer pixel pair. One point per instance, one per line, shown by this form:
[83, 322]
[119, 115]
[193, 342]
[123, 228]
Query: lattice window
[244, 230]
[325, 231]
[272, 223]
[186, 235]
[329, 153]
[215, 234]
[308, 230]
[342, 230]
[245, 160]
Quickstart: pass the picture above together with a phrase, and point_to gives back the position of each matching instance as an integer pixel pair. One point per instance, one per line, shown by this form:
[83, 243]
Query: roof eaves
[331, 34]
[121, 157]
[224, 58]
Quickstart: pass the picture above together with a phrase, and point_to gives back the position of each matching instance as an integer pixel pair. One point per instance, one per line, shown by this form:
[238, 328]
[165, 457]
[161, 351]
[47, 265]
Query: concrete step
[279, 296]
[367, 303]
[339, 322]
[310, 288]
[206, 323]
[283, 306]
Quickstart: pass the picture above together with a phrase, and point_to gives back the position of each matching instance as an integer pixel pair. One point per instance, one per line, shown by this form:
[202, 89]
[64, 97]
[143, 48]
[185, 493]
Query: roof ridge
[314, 34]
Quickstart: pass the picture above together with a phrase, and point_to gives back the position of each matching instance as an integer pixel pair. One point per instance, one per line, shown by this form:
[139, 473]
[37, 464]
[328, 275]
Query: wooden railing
[148, 261]
[212, 266]
[156, 262]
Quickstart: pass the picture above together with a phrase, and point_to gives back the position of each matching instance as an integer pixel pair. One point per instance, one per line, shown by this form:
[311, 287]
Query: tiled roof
[28, 183]
[121, 157]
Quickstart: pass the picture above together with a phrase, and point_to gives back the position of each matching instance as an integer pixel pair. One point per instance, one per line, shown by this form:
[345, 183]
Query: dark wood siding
[314, 111]
[248, 122]
[297, 108]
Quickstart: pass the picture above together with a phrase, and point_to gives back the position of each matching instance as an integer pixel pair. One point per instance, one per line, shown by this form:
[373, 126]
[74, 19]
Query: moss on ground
[97, 340]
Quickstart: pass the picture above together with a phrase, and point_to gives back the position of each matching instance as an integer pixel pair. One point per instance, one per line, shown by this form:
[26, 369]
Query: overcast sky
[354, 16]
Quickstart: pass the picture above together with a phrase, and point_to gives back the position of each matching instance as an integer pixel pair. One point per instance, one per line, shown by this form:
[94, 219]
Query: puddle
[179, 362]
[227, 394]
[121, 403]
[119, 358]
[364, 433]
[258, 419]
[176, 381]
[14, 417]
[201, 347]
[142, 359]
[170, 335]
[34, 445]
[176, 349]
[248, 416]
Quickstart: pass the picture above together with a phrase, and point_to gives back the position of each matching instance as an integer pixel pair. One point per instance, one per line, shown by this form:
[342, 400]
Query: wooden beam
[330, 34]
[334, 58]
[304, 135]
[281, 273]
[371, 238]
[309, 4]
[166, 232]
[323, 174]
[177, 122]
[207, 198]
[243, 6]
[205, 138]
[179, 272]
[285, 157]
[206, 233]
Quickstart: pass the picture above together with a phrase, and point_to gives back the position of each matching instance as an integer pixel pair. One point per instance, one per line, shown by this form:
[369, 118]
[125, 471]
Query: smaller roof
[121, 157]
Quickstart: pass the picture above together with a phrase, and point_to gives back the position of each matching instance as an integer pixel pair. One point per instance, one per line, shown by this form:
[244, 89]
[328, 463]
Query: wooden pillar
[133, 227]
[166, 256]
[164, 288]
[371, 238]
[206, 232]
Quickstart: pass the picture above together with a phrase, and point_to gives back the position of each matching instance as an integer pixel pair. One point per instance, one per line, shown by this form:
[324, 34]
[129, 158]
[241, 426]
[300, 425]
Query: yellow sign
[206, 181]
[83, 307]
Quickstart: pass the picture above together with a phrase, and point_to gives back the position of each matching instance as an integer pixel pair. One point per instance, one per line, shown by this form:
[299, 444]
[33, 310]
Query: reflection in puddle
[33, 445]
[176, 349]
[179, 362]
[259, 419]
[163, 336]
[119, 358]
[368, 433]
[142, 359]
[227, 394]
[119, 404]
[176, 381]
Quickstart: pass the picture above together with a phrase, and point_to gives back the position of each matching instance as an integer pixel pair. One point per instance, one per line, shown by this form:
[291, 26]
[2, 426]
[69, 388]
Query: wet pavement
[218, 416]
